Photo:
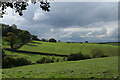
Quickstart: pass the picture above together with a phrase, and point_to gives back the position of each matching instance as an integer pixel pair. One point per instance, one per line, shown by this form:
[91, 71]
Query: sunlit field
[68, 48]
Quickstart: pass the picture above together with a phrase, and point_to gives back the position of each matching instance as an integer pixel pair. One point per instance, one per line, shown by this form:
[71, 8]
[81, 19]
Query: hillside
[68, 48]
[62, 67]
[32, 57]
[91, 68]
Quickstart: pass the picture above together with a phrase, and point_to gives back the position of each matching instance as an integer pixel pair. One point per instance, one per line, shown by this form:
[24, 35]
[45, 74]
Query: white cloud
[13, 18]
[52, 29]
[106, 32]
[39, 15]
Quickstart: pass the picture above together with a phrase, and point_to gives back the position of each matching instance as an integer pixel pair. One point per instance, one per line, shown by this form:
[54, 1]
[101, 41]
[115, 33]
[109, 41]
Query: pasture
[68, 48]
[90, 68]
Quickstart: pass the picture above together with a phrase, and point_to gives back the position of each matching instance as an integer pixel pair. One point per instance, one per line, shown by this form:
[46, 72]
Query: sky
[69, 21]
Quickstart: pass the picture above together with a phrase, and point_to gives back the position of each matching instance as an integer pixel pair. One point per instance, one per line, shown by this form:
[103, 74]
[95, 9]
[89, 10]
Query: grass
[5, 44]
[68, 48]
[114, 44]
[91, 68]
[32, 57]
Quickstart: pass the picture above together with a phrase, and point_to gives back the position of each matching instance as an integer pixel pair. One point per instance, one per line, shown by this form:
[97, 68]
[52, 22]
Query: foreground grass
[91, 68]
[68, 48]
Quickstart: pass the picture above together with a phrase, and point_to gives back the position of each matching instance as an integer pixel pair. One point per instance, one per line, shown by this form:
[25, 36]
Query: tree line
[13, 35]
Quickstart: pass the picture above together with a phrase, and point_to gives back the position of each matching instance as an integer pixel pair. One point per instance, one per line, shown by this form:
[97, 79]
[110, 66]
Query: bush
[56, 60]
[45, 60]
[9, 62]
[77, 56]
[61, 59]
[35, 38]
[96, 53]
[86, 56]
[44, 40]
[64, 59]
[52, 40]
[86, 41]
[22, 61]
[58, 40]
[53, 58]
[50, 60]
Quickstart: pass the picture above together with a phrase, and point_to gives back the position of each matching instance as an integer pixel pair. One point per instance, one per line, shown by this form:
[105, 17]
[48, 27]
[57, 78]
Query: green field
[97, 68]
[31, 57]
[89, 68]
[68, 48]
[114, 44]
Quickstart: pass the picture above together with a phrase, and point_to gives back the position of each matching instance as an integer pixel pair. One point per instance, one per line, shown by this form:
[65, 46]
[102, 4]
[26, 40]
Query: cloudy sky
[69, 21]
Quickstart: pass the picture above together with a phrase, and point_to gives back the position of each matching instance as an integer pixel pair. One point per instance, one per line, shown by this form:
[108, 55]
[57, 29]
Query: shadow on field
[36, 43]
[19, 45]
[40, 53]
[31, 45]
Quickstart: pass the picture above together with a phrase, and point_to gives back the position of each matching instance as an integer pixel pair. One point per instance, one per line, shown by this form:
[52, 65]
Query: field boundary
[40, 53]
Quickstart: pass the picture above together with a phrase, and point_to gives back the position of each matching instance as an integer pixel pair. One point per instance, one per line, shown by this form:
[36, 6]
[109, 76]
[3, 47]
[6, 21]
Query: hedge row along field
[31, 57]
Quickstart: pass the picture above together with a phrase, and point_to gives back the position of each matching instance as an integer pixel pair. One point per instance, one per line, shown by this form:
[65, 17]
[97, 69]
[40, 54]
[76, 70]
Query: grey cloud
[85, 16]
[67, 14]
[103, 31]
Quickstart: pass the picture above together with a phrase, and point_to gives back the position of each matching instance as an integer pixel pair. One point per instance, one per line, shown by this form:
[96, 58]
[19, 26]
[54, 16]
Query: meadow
[90, 68]
[68, 48]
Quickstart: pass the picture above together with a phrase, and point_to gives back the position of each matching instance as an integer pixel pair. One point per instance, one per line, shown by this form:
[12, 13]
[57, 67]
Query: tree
[11, 38]
[7, 28]
[24, 35]
[52, 40]
[19, 6]
[58, 40]
[43, 39]
[86, 41]
[35, 38]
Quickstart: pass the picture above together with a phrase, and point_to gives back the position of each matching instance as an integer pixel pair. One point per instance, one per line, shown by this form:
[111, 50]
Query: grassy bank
[91, 68]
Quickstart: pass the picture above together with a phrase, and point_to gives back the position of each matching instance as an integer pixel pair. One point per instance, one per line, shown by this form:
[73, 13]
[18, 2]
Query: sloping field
[32, 57]
[91, 68]
[68, 48]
